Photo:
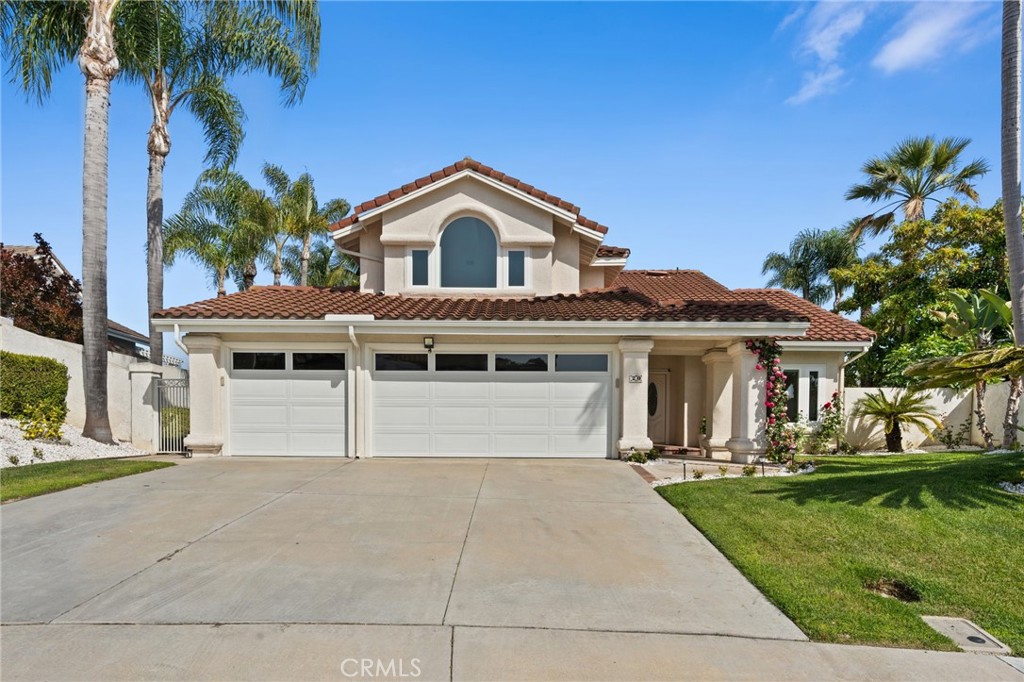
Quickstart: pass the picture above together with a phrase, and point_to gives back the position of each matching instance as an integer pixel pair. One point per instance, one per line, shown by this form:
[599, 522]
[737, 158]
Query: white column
[748, 405]
[718, 404]
[635, 377]
[206, 432]
[145, 418]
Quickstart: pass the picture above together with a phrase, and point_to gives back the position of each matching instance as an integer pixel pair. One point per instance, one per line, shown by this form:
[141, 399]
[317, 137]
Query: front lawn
[39, 479]
[812, 542]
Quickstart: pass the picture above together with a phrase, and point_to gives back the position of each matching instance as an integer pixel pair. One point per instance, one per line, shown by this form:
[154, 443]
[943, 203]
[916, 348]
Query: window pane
[581, 363]
[401, 362]
[792, 394]
[469, 255]
[652, 399]
[461, 362]
[318, 361]
[812, 396]
[257, 360]
[511, 362]
[516, 268]
[419, 268]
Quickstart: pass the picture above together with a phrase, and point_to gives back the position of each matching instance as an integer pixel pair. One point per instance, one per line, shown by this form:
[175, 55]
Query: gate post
[144, 417]
[206, 436]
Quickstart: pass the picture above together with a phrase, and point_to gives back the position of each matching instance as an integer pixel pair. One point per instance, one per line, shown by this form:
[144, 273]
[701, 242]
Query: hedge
[29, 380]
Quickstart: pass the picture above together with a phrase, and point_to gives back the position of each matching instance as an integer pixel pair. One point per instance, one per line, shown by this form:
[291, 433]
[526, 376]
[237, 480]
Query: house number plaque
[636, 378]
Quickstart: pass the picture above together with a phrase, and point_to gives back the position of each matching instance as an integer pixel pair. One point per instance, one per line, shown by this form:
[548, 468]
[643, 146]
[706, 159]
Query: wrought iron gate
[172, 414]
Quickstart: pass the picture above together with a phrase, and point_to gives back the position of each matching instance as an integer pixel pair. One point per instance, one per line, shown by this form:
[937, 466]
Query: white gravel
[73, 446]
[1017, 488]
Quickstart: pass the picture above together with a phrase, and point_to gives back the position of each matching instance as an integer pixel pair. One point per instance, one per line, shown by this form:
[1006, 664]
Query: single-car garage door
[288, 403]
[491, 404]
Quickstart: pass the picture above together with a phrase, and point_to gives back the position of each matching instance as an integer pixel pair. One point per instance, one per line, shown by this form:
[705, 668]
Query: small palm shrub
[904, 408]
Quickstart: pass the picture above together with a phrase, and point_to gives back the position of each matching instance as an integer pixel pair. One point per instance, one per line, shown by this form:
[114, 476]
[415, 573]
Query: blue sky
[703, 134]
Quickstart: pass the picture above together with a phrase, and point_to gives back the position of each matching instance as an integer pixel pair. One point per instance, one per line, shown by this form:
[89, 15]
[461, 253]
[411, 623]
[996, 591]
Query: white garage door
[491, 404]
[288, 403]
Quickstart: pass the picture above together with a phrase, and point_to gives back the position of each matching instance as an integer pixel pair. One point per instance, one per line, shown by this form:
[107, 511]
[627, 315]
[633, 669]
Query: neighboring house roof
[477, 167]
[604, 251]
[117, 329]
[290, 302]
[825, 325]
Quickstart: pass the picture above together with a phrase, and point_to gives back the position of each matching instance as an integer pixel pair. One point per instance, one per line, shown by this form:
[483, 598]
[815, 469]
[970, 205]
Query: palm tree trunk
[980, 388]
[222, 274]
[158, 145]
[99, 64]
[248, 275]
[1011, 160]
[304, 261]
[1012, 409]
[277, 266]
[894, 438]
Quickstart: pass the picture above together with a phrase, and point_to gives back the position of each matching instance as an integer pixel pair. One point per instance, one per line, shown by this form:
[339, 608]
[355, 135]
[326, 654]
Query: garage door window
[318, 361]
[581, 363]
[401, 362]
[461, 362]
[257, 361]
[506, 362]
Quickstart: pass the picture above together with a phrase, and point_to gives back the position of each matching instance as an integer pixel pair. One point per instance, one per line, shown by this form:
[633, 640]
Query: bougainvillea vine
[780, 440]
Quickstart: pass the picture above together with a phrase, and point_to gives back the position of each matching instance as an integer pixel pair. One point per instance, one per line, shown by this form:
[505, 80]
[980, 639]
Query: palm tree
[39, 38]
[904, 408]
[1010, 153]
[909, 176]
[326, 267]
[194, 48]
[278, 181]
[807, 267]
[221, 227]
[304, 216]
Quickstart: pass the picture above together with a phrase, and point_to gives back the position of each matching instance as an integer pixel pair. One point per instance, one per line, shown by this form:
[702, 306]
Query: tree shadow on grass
[962, 483]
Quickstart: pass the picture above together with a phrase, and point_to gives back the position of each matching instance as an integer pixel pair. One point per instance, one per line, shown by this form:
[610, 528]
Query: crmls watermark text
[378, 667]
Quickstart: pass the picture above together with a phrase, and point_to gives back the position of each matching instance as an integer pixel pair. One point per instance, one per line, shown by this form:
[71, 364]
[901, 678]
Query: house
[120, 339]
[492, 319]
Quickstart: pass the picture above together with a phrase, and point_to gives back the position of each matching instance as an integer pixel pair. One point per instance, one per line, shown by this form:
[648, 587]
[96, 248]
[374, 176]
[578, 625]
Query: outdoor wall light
[428, 342]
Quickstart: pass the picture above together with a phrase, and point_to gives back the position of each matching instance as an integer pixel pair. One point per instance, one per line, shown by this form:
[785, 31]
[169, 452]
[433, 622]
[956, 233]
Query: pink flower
[769, 404]
[758, 367]
[772, 420]
[775, 361]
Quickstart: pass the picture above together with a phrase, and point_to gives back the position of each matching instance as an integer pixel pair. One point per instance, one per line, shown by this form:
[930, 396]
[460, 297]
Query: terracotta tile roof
[604, 251]
[668, 285]
[825, 325]
[477, 167]
[289, 302]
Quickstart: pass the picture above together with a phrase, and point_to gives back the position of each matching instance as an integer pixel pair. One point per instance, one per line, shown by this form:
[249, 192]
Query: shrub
[953, 439]
[749, 470]
[698, 474]
[638, 456]
[30, 381]
[13, 459]
[42, 421]
[37, 453]
[39, 296]
[174, 420]
[723, 470]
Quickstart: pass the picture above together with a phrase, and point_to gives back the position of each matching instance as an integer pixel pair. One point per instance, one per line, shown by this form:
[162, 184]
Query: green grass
[935, 521]
[39, 479]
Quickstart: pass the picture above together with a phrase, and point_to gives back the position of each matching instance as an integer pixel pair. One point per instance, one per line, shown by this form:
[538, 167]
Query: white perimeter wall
[956, 407]
[119, 382]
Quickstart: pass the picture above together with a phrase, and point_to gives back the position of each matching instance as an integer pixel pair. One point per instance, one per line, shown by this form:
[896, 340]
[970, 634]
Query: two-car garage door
[491, 404]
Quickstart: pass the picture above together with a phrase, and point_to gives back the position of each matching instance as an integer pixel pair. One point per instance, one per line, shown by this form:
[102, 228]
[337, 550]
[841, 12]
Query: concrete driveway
[257, 568]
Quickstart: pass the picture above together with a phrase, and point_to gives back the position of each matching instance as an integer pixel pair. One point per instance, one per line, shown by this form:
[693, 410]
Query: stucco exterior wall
[565, 270]
[371, 270]
[119, 376]
[591, 277]
[954, 406]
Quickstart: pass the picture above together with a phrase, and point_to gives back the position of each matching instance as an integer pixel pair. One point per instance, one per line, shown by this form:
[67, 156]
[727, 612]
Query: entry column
[748, 383]
[635, 377]
[206, 433]
[718, 402]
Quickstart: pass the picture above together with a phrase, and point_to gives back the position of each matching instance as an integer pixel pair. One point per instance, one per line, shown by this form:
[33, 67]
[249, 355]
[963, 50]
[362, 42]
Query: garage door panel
[462, 388]
[315, 389]
[579, 444]
[577, 420]
[580, 390]
[316, 416]
[521, 444]
[263, 388]
[521, 389]
[462, 415]
[271, 442]
[259, 415]
[313, 443]
[517, 415]
[387, 389]
[403, 416]
[461, 443]
[415, 444]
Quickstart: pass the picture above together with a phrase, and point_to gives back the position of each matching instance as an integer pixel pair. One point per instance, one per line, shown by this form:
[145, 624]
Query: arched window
[469, 255]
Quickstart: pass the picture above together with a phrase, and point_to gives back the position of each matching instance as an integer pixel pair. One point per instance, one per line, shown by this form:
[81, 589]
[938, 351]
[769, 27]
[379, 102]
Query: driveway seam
[171, 555]
[465, 540]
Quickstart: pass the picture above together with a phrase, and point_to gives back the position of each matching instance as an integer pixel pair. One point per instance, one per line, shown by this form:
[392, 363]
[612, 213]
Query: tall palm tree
[40, 38]
[221, 227]
[304, 217]
[326, 267]
[1010, 153]
[278, 182]
[185, 64]
[806, 267]
[909, 176]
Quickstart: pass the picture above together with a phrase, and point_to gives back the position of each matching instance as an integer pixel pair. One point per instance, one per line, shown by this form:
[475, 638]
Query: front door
[657, 407]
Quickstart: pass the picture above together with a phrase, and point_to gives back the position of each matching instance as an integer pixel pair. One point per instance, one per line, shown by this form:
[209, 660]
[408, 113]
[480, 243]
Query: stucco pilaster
[635, 354]
[206, 434]
[748, 383]
[718, 402]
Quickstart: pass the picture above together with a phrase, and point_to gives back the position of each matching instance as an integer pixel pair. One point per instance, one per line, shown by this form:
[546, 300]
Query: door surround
[657, 423]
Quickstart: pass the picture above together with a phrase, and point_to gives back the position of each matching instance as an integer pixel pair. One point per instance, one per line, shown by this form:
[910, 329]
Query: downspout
[357, 401]
[177, 339]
